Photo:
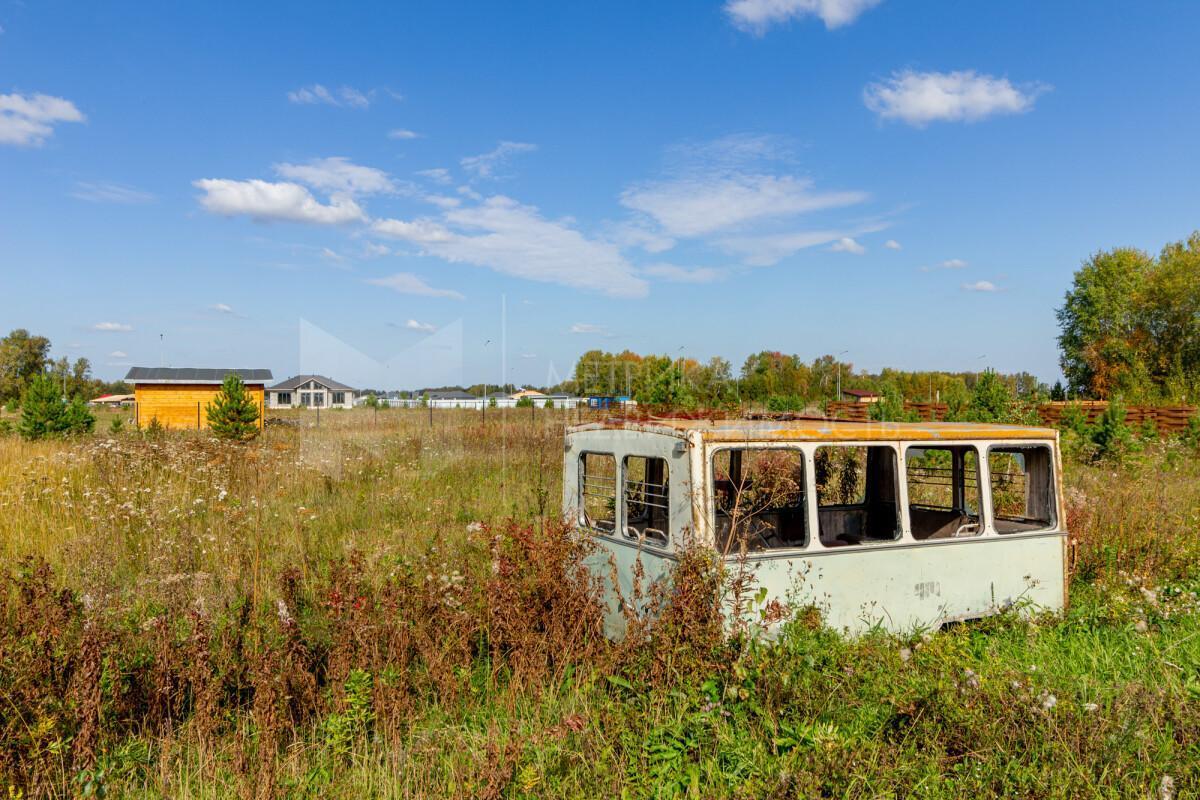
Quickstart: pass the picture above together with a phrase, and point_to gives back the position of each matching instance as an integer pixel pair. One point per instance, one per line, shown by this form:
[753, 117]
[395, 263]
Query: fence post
[197, 415]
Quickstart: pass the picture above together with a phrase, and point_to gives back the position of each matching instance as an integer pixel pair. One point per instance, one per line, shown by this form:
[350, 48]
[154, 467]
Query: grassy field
[384, 608]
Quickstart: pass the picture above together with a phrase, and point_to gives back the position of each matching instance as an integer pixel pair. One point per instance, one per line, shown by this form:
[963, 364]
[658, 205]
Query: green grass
[329, 620]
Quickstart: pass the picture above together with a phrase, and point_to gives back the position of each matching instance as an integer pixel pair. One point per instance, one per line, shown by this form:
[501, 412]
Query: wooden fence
[1167, 420]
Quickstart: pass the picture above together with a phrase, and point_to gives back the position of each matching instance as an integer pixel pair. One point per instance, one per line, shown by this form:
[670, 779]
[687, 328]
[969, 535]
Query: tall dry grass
[376, 607]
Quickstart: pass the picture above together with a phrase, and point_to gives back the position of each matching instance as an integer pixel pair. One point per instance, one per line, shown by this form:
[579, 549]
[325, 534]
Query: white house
[310, 391]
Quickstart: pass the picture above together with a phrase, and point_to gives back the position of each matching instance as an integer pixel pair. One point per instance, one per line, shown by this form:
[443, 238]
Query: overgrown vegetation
[381, 608]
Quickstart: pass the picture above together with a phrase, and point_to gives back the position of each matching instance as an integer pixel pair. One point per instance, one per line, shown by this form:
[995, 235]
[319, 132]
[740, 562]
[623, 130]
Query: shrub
[1112, 437]
[116, 426]
[233, 414]
[549, 403]
[525, 402]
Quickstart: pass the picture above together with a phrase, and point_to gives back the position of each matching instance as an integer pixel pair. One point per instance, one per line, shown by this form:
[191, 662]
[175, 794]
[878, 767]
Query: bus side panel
[922, 586]
[614, 565]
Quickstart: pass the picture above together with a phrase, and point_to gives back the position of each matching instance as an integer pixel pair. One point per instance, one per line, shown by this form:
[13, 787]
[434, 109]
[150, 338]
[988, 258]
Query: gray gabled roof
[299, 380]
[194, 375]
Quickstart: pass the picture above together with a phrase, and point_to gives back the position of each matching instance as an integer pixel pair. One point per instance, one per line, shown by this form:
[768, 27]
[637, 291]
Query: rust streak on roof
[819, 429]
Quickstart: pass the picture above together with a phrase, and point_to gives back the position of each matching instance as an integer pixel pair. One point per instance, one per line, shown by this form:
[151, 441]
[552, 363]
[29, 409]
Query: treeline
[775, 381]
[1130, 326]
[24, 357]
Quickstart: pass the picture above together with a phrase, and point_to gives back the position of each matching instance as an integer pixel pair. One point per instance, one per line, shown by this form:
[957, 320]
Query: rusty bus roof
[725, 430]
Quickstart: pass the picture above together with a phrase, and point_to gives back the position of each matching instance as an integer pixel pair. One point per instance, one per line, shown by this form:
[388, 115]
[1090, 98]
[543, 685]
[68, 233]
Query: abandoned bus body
[899, 525]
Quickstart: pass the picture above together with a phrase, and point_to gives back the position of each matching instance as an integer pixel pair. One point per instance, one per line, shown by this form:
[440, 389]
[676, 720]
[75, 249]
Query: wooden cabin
[178, 397]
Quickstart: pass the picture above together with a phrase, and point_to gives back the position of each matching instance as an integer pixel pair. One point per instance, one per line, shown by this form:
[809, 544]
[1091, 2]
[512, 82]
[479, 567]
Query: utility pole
[839, 377]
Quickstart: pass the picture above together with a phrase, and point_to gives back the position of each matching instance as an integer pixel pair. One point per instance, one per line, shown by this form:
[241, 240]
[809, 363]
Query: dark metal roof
[296, 382]
[452, 396]
[194, 375]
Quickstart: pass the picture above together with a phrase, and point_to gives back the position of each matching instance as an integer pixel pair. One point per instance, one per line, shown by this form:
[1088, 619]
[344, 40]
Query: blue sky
[910, 182]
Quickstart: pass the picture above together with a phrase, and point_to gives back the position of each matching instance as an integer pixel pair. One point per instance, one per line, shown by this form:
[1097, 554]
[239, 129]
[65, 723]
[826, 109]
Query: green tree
[43, 412]
[22, 358]
[233, 414]
[991, 399]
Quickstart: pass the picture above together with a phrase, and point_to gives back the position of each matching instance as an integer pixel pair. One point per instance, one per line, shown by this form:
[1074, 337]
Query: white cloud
[919, 98]
[375, 249]
[319, 95]
[110, 193]
[403, 133]
[528, 355]
[265, 201]
[118, 354]
[847, 245]
[407, 283]
[437, 175]
[223, 308]
[758, 15]
[338, 175]
[486, 165]
[636, 234]
[587, 328]
[765, 250]
[953, 263]
[892, 244]
[112, 327]
[423, 327]
[443, 201]
[676, 274]
[514, 239]
[332, 255]
[29, 120]
[698, 205]
[980, 286]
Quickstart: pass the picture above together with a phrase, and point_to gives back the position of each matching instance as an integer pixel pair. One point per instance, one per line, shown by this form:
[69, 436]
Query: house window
[598, 491]
[759, 499]
[856, 494]
[1022, 480]
[283, 398]
[647, 499]
[943, 491]
[318, 399]
[339, 398]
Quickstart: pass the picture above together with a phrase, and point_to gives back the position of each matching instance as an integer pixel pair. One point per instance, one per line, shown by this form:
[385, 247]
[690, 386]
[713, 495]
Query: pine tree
[42, 409]
[233, 414]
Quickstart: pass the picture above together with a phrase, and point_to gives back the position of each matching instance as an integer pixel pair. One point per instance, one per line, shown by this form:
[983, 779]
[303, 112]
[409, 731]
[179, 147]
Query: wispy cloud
[110, 193]
[847, 245]
[112, 327]
[29, 120]
[756, 16]
[317, 94]
[919, 98]
[403, 133]
[408, 283]
[437, 175]
[587, 328]
[515, 239]
[763, 250]
[118, 354]
[892, 244]
[677, 274]
[980, 286]
[338, 174]
[949, 263]
[264, 201]
[740, 185]
[223, 308]
[487, 165]
[423, 327]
